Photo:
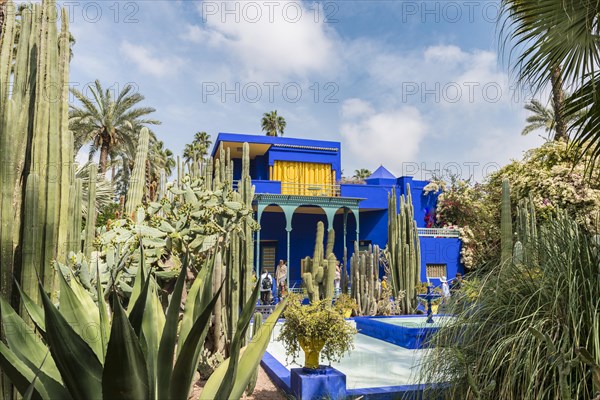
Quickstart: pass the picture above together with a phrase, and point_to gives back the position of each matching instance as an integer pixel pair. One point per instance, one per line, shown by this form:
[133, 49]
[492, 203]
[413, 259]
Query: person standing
[445, 290]
[281, 278]
[456, 283]
[337, 278]
[266, 284]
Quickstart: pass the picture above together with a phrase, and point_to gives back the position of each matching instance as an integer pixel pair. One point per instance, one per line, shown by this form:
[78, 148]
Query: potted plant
[346, 305]
[315, 328]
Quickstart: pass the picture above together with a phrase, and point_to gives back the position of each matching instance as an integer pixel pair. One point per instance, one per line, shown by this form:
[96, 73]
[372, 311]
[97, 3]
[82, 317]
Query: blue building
[297, 184]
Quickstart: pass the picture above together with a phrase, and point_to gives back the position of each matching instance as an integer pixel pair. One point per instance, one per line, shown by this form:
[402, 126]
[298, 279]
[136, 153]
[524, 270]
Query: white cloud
[147, 62]
[388, 137]
[462, 111]
[271, 39]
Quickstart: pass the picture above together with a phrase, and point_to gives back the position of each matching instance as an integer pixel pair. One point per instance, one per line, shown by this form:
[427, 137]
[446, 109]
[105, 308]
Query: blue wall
[373, 206]
[439, 251]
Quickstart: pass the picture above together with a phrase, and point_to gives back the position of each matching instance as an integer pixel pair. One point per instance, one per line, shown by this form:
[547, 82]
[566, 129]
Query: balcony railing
[438, 232]
[310, 189]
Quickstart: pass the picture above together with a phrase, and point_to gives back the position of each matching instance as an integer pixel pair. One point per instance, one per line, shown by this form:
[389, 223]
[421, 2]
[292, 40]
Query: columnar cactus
[320, 270]
[365, 275]
[527, 233]
[34, 126]
[135, 193]
[90, 221]
[246, 191]
[506, 232]
[403, 249]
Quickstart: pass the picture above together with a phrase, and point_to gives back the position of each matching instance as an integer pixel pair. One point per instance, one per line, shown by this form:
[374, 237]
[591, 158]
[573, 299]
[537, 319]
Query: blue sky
[415, 86]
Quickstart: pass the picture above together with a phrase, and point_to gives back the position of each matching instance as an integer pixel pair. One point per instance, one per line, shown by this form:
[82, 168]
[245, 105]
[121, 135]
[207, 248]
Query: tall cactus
[246, 191]
[320, 270]
[527, 233]
[365, 274]
[135, 193]
[90, 221]
[34, 126]
[403, 249]
[506, 232]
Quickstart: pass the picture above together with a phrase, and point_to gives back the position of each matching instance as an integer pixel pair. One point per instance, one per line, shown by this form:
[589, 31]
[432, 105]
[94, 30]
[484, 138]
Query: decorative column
[357, 219]
[289, 214]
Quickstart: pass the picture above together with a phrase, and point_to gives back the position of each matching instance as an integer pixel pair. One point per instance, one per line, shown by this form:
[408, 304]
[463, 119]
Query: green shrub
[529, 330]
[316, 321]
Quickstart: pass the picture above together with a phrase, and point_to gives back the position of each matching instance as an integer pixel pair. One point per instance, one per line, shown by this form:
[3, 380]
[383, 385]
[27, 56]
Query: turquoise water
[415, 322]
[372, 363]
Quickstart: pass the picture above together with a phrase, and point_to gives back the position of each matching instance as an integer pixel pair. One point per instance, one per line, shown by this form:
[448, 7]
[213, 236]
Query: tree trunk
[104, 150]
[558, 103]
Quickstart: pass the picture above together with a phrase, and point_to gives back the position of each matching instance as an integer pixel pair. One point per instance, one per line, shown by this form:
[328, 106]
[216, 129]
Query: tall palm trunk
[558, 102]
[104, 151]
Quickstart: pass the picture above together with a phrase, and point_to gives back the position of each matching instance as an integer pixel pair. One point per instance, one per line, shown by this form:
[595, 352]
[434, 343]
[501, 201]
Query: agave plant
[85, 352]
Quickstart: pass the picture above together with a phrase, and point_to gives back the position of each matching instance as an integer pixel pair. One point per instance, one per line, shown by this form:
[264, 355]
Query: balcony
[310, 189]
[296, 189]
[438, 232]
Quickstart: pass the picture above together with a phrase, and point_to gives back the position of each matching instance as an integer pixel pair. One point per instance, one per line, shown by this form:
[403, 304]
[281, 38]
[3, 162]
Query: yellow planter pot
[312, 348]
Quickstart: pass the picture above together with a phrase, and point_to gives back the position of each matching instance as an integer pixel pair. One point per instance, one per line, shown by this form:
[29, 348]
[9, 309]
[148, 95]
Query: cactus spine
[320, 270]
[135, 193]
[364, 267]
[404, 250]
[34, 126]
[506, 232]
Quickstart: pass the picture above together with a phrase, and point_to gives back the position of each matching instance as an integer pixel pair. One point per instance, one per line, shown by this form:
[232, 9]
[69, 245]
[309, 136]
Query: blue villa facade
[298, 183]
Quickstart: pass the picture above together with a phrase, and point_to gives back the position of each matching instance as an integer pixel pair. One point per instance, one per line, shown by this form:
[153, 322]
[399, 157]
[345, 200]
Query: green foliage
[109, 212]
[136, 360]
[345, 302]
[109, 124]
[551, 177]
[524, 328]
[319, 321]
[272, 123]
[556, 41]
[198, 149]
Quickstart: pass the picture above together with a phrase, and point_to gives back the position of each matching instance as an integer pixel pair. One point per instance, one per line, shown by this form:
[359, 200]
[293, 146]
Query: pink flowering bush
[552, 175]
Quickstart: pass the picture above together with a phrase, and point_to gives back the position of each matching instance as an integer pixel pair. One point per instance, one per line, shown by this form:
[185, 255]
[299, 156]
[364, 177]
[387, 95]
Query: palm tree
[544, 117]
[106, 122]
[362, 174]
[556, 41]
[198, 149]
[540, 117]
[273, 123]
